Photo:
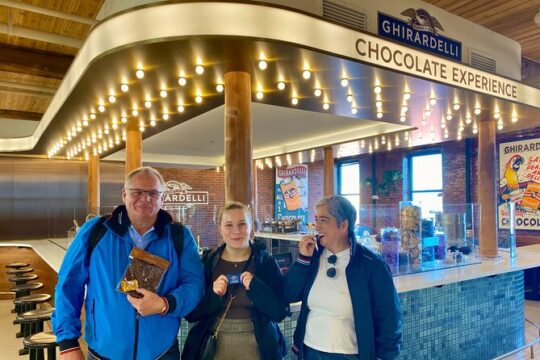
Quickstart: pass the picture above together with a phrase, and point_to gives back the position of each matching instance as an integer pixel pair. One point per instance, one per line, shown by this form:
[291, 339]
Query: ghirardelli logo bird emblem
[177, 185]
[421, 20]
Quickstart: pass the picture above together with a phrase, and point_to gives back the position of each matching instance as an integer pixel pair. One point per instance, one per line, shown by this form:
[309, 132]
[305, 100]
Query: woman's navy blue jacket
[268, 305]
[376, 308]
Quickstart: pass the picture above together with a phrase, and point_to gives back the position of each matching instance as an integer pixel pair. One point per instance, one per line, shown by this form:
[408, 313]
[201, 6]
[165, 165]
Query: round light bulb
[326, 106]
[139, 74]
[500, 126]
[163, 93]
[406, 95]
[134, 112]
[263, 64]
[281, 85]
[344, 82]
[124, 87]
[456, 106]
[514, 119]
[378, 104]
[294, 101]
[147, 104]
[402, 118]
[432, 101]
[427, 112]
[468, 120]
[198, 99]
[354, 110]
[85, 122]
[496, 115]
[220, 88]
[182, 81]
[349, 98]
[477, 111]
[112, 99]
[404, 108]
[306, 74]
[377, 89]
[318, 92]
[180, 108]
[165, 116]
[259, 95]
[101, 108]
[448, 117]
[152, 122]
[475, 130]
[199, 69]
[92, 116]
[123, 119]
[141, 128]
[379, 115]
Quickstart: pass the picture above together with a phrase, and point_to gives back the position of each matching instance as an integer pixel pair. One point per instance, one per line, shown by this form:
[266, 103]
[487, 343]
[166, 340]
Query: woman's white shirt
[330, 322]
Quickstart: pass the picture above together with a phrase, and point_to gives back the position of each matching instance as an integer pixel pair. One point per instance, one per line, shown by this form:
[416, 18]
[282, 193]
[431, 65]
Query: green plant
[388, 183]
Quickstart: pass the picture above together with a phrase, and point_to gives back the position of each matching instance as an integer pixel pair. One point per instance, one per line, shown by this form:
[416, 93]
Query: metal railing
[528, 345]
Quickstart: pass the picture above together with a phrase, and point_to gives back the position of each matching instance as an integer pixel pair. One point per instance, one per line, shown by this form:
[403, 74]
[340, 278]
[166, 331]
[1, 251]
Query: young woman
[245, 270]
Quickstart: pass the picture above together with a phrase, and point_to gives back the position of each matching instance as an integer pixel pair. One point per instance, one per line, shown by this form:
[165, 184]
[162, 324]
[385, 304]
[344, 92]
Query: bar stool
[23, 290]
[38, 342]
[23, 279]
[32, 323]
[17, 265]
[27, 303]
[20, 271]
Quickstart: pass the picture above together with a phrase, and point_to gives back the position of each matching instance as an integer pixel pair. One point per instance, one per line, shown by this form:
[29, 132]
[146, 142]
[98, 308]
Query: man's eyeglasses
[138, 193]
[331, 273]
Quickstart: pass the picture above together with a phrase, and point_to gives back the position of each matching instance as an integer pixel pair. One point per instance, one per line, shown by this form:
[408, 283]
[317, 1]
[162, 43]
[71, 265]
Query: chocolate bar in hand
[145, 270]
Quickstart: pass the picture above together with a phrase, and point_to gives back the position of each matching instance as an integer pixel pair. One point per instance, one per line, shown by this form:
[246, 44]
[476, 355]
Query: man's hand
[220, 285]
[150, 304]
[72, 355]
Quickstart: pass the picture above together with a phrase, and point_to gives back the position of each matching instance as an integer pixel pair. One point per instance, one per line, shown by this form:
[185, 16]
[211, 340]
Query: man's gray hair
[341, 209]
[146, 170]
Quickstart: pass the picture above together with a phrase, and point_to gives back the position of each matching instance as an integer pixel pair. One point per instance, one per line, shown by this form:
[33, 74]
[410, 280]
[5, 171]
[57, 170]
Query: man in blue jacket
[119, 326]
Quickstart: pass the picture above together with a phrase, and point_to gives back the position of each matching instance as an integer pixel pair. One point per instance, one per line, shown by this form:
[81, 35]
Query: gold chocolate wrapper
[129, 285]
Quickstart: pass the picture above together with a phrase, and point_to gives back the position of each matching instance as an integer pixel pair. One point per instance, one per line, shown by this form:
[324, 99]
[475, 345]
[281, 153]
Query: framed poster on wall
[291, 192]
[519, 182]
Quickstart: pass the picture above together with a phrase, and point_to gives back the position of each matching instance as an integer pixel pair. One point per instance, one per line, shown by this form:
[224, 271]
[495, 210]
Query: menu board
[519, 182]
[291, 192]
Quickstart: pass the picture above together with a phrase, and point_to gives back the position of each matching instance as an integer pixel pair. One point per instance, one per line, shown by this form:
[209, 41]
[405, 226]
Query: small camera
[233, 279]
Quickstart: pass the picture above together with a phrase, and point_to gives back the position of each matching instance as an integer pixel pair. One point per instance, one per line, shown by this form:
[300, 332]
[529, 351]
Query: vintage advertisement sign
[421, 30]
[291, 192]
[519, 182]
[178, 195]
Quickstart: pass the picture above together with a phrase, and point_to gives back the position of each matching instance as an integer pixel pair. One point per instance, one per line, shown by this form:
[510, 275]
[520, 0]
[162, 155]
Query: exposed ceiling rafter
[44, 11]
[19, 115]
[32, 62]
[40, 35]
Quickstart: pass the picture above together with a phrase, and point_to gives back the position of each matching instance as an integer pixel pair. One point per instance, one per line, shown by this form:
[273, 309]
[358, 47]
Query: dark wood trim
[20, 115]
[33, 62]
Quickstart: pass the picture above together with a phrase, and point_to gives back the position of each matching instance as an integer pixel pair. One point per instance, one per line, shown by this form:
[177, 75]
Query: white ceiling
[199, 142]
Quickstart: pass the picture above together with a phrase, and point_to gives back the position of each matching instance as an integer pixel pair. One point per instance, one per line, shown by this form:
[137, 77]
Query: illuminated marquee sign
[396, 57]
[179, 195]
[420, 31]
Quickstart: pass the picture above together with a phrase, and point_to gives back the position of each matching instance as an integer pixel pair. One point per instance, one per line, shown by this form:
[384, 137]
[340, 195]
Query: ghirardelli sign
[179, 195]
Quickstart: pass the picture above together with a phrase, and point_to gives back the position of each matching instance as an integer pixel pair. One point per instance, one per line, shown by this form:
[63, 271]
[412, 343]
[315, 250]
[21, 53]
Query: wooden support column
[328, 171]
[486, 186]
[133, 146]
[93, 185]
[238, 138]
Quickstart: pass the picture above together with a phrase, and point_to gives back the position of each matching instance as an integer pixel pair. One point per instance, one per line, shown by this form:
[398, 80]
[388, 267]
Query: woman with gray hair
[350, 308]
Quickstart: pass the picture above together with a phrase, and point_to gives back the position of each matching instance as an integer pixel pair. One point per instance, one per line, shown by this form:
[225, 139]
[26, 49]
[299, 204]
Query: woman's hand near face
[307, 245]
[220, 285]
[246, 278]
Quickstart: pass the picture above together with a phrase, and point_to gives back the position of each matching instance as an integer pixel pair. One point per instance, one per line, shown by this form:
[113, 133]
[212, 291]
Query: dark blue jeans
[312, 354]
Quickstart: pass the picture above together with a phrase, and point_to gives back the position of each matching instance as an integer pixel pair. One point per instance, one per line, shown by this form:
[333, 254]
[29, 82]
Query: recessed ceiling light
[263, 64]
[294, 100]
[344, 82]
[182, 81]
[199, 69]
[281, 85]
[220, 88]
[306, 74]
[318, 92]
[139, 74]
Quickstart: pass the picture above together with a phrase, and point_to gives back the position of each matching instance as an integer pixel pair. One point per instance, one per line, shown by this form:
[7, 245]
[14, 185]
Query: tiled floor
[10, 345]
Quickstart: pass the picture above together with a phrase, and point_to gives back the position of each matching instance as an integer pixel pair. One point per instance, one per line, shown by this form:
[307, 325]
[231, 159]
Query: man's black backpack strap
[97, 233]
[177, 235]
[99, 230]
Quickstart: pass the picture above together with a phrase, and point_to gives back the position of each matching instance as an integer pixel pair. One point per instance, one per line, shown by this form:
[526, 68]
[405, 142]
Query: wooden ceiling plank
[20, 115]
[32, 62]
[48, 12]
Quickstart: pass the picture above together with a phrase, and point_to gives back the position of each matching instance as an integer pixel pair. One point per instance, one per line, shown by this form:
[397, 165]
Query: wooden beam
[20, 115]
[34, 62]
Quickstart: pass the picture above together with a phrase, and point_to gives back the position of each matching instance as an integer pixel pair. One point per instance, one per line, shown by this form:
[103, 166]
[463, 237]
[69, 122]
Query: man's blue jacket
[376, 308]
[112, 327]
